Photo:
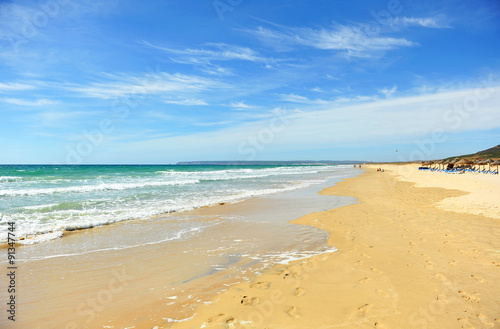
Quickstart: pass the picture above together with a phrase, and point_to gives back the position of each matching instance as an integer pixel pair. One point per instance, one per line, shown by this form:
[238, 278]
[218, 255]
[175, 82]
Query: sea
[195, 228]
[47, 200]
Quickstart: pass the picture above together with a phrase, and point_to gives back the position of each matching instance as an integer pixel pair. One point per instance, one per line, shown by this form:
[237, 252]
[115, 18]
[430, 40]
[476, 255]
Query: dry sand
[410, 256]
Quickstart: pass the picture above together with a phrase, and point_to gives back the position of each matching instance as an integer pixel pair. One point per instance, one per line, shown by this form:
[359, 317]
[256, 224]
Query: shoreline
[63, 232]
[171, 277]
[404, 260]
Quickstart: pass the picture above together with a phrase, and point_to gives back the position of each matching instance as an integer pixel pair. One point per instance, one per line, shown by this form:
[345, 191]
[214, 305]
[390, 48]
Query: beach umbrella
[479, 163]
[446, 163]
[476, 163]
[488, 162]
[496, 163]
[452, 162]
[464, 162]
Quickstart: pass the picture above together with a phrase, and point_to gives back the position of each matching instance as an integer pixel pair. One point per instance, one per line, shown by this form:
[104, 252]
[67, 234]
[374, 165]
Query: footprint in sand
[247, 301]
[477, 278]
[465, 323]
[411, 244]
[429, 264]
[474, 297]
[365, 308]
[376, 270]
[485, 321]
[293, 312]
[299, 292]
[261, 285]
[365, 280]
[365, 256]
[359, 262]
[231, 321]
[216, 318]
[497, 264]
[382, 293]
[453, 262]
[379, 325]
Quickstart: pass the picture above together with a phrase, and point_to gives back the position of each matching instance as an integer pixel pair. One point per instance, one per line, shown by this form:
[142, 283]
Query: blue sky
[167, 81]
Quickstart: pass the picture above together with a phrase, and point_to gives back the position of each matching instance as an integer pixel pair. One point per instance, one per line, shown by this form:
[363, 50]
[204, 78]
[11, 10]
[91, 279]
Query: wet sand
[410, 256]
[135, 274]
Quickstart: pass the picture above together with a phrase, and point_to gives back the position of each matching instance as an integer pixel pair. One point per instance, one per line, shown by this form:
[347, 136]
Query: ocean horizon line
[201, 162]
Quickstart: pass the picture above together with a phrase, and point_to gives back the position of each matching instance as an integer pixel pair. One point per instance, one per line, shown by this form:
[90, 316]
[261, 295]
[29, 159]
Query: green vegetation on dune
[491, 153]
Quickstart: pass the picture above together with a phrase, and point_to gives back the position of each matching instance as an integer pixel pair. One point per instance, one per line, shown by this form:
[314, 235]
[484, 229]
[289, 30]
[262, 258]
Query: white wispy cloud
[380, 121]
[217, 70]
[59, 118]
[13, 86]
[240, 106]
[188, 102]
[216, 52]
[358, 40]
[25, 102]
[25, 20]
[430, 22]
[301, 99]
[388, 92]
[145, 85]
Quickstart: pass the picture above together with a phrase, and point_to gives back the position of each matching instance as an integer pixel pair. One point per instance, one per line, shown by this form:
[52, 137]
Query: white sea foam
[43, 206]
[46, 206]
[291, 256]
[59, 220]
[6, 179]
[181, 234]
[229, 174]
[181, 320]
[41, 238]
[92, 188]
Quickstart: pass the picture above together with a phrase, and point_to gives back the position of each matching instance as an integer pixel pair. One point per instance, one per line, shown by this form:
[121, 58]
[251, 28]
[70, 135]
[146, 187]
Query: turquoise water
[47, 200]
[179, 258]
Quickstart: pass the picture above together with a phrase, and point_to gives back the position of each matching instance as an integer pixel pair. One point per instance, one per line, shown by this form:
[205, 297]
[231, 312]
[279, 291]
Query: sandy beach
[419, 250]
